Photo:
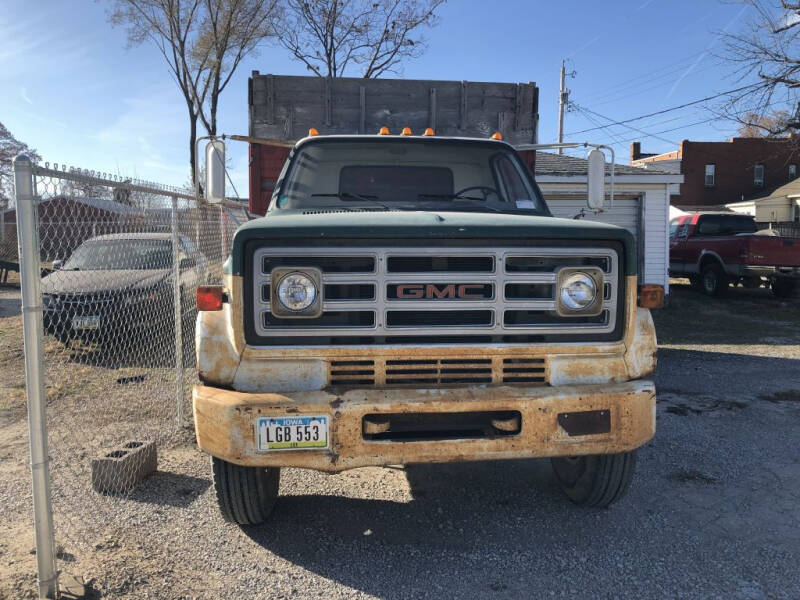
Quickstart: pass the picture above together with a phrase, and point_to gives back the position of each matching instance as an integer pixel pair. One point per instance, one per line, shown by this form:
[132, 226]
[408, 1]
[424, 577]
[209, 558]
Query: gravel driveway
[713, 511]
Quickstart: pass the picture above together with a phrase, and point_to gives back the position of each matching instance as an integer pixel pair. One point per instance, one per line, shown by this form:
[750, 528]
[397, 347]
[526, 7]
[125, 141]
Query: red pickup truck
[716, 249]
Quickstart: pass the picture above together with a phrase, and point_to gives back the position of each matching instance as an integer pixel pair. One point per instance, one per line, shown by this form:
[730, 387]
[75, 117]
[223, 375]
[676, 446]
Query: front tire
[713, 280]
[595, 480]
[246, 495]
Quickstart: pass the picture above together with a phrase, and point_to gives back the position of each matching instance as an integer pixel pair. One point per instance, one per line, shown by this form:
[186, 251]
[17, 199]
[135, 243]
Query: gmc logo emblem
[451, 291]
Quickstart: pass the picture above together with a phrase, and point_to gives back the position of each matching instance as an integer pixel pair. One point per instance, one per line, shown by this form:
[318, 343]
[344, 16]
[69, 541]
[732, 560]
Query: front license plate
[291, 433]
[88, 322]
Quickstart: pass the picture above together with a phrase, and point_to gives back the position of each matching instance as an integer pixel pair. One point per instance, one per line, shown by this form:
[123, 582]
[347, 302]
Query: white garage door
[624, 213]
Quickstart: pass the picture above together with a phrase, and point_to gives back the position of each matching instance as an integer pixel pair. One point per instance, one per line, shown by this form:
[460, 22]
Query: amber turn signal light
[209, 297]
[651, 296]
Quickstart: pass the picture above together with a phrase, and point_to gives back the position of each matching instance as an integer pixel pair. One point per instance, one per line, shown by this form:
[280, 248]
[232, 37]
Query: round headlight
[296, 292]
[578, 291]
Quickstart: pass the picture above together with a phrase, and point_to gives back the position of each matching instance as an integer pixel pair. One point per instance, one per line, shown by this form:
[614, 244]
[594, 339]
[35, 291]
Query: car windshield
[411, 174]
[122, 254]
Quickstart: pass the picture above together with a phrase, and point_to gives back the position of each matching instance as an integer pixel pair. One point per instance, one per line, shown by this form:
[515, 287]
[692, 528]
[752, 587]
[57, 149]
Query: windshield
[120, 255]
[407, 175]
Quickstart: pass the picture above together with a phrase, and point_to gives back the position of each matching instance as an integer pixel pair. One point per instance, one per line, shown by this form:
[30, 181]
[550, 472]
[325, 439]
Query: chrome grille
[511, 292]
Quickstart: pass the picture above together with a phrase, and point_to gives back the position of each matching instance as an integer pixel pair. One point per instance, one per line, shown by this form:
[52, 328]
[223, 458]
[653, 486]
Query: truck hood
[300, 227]
[83, 282]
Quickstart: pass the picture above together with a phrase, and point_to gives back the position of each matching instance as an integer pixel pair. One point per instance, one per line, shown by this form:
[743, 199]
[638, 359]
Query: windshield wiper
[477, 202]
[369, 199]
[346, 196]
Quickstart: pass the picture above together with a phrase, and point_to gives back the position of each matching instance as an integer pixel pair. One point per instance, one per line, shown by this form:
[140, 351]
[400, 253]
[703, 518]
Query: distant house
[67, 221]
[719, 173]
[641, 205]
[781, 205]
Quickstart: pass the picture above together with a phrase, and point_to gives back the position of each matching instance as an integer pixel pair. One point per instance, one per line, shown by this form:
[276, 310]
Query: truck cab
[411, 299]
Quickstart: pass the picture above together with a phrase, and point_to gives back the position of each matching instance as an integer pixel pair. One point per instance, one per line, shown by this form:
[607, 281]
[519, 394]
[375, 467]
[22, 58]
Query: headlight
[297, 291]
[579, 292]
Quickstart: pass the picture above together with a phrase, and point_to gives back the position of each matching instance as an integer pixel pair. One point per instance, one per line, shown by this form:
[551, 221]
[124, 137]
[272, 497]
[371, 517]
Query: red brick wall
[734, 175]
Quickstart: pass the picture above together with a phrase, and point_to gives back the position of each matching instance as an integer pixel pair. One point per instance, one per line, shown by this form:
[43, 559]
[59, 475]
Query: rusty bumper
[225, 423]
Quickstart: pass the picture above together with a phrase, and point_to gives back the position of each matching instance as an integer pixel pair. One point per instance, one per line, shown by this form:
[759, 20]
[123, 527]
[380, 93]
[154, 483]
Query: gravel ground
[712, 513]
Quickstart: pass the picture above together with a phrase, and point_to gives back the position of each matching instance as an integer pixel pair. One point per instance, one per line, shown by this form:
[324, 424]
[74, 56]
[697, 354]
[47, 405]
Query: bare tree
[755, 125]
[9, 148]
[767, 49]
[373, 36]
[202, 41]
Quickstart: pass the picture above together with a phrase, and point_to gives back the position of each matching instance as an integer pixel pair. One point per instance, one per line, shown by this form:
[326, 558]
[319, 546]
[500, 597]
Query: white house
[641, 205]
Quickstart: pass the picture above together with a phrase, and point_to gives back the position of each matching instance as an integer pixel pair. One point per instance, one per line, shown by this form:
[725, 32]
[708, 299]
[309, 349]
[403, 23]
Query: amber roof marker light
[313, 132]
[428, 132]
[497, 136]
[383, 130]
[406, 131]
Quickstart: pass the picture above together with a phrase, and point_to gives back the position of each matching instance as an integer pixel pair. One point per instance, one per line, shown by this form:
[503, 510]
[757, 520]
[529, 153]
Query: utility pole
[563, 100]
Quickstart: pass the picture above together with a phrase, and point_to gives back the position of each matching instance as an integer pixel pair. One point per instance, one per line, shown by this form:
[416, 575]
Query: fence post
[176, 295]
[32, 333]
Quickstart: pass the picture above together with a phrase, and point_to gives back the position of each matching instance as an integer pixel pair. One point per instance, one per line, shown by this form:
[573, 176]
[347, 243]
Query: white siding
[656, 240]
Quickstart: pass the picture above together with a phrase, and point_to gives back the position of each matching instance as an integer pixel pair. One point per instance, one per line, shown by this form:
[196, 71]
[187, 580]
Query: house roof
[548, 163]
[784, 191]
[98, 203]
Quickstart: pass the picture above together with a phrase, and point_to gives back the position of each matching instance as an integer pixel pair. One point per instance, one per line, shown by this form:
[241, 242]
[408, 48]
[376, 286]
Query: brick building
[718, 173]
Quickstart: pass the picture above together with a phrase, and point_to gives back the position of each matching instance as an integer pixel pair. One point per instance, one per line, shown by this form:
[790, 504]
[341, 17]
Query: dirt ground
[712, 512]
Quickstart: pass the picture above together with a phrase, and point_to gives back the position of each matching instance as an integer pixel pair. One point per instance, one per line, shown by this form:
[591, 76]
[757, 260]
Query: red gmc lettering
[410, 291]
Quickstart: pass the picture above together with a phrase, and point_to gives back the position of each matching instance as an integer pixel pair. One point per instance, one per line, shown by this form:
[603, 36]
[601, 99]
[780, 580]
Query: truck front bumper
[610, 418]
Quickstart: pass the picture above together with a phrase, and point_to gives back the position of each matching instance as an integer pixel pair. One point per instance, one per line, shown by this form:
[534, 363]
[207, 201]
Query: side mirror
[596, 181]
[57, 264]
[215, 172]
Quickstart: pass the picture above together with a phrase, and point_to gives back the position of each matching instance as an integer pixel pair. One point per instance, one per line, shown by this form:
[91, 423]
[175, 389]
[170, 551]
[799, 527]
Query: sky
[74, 90]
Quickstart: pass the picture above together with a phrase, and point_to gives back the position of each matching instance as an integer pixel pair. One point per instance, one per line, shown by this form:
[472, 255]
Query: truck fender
[640, 355]
[709, 255]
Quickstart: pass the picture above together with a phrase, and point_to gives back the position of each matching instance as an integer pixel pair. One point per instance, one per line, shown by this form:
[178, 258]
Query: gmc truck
[410, 299]
[715, 250]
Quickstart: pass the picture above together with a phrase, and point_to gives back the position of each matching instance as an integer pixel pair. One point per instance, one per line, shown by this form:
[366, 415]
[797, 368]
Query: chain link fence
[119, 261]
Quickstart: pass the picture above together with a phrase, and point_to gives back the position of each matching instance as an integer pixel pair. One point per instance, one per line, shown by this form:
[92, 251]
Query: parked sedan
[119, 284]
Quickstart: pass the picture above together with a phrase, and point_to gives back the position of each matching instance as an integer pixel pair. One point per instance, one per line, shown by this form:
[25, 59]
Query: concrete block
[119, 470]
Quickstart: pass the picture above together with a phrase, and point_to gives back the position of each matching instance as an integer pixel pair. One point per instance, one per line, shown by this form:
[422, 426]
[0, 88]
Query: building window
[710, 174]
[792, 171]
[758, 175]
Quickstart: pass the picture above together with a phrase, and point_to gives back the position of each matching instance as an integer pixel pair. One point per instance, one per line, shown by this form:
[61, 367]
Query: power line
[666, 110]
[642, 131]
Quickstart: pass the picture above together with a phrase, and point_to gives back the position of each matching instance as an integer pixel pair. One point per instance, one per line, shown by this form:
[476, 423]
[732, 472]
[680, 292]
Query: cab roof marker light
[406, 131]
[383, 130]
[428, 132]
[497, 136]
[313, 132]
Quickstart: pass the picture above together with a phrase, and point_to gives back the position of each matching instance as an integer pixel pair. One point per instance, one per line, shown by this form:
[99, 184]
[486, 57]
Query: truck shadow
[464, 523]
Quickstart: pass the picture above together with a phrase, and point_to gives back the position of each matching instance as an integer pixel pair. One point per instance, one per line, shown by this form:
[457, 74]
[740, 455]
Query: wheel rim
[710, 281]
